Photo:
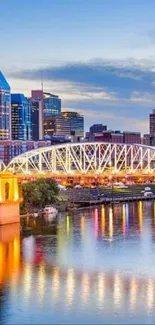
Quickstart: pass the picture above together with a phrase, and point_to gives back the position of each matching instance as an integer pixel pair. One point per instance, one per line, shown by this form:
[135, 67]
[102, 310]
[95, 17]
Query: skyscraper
[77, 123]
[5, 109]
[20, 117]
[52, 104]
[152, 128]
[57, 125]
[44, 106]
[37, 114]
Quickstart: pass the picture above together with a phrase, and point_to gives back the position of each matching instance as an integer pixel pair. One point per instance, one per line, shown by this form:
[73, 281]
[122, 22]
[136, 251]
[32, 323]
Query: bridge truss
[2, 165]
[95, 158]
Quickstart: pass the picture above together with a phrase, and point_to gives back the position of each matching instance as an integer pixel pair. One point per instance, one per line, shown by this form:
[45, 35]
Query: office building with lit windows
[77, 123]
[20, 117]
[5, 109]
[57, 125]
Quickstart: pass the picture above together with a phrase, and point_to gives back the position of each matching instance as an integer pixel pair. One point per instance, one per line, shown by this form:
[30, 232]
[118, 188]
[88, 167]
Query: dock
[93, 197]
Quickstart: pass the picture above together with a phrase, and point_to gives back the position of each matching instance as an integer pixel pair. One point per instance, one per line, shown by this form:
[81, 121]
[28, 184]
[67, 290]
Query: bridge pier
[9, 199]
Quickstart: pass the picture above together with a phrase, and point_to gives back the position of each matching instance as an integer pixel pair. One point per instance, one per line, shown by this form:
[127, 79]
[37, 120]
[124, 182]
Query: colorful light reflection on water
[93, 266]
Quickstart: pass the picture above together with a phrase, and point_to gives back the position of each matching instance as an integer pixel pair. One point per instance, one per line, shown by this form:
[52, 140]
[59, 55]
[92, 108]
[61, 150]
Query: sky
[98, 56]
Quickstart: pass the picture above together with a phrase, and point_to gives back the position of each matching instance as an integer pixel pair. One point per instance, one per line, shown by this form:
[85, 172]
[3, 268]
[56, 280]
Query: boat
[50, 210]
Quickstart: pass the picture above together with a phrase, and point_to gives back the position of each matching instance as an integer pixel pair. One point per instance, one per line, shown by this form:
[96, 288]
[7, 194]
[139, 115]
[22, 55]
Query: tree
[39, 193]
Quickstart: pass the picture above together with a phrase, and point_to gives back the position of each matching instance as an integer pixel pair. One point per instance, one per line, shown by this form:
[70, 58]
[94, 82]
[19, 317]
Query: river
[94, 266]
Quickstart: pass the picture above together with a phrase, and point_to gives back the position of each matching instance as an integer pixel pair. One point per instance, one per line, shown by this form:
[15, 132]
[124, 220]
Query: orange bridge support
[9, 199]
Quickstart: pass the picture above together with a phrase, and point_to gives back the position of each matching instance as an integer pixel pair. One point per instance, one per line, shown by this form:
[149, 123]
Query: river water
[94, 266]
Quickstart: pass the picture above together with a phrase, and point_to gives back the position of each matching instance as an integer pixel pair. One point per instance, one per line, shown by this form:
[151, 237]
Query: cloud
[121, 78]
[117, 93]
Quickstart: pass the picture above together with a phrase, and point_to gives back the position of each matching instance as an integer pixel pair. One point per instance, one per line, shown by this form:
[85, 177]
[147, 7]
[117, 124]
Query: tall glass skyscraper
[20, 117]
[52, 104]
[5, 109]
[44, 105]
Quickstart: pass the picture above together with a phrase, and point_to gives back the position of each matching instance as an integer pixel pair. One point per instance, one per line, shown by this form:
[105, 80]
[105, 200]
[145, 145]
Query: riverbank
[77, 198]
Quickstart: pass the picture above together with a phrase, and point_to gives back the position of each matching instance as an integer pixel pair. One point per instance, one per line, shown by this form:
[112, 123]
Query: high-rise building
[20, 117]
[57, 125]
[52, 104]
[77, 123]
[5, 109]
[36, 101]
[44, 105]
[152, 128]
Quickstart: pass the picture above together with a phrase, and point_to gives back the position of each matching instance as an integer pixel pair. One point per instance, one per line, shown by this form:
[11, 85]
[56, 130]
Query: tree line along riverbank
[39, 193]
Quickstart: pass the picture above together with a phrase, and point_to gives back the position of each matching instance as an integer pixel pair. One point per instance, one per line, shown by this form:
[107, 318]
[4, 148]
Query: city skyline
[99, 58]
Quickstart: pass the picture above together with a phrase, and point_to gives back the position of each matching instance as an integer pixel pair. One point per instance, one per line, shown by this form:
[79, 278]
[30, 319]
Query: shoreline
[104, 201]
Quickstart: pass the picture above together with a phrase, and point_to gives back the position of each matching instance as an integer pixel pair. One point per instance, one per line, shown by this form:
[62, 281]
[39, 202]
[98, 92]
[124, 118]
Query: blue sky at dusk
[99, 56]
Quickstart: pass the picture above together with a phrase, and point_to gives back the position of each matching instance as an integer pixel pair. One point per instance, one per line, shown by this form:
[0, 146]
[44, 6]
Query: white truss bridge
[92, 158]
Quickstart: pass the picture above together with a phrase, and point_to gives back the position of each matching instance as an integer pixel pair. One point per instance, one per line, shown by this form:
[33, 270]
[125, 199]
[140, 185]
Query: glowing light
[85, 287]
[27, 280]
[103, 220]
[124, 220]
[117, 290]
[96, 222]
[56, 283]
[101, 287]
[41, 281]
[16, 252]
[82, 225]
[133, 293]
[140, 214]
[70, 286]
[111, 230]
[150, 296]
[67, 224]
[127, 216]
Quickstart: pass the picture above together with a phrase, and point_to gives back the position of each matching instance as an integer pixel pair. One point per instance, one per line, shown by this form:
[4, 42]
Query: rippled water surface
[93, 266]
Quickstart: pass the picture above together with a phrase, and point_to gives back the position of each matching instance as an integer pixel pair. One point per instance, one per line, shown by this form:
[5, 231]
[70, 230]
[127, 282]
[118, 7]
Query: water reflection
[97, 262]
[9, 251]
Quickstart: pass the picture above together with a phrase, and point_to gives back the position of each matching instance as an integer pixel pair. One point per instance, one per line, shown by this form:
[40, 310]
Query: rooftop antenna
[42, 80]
